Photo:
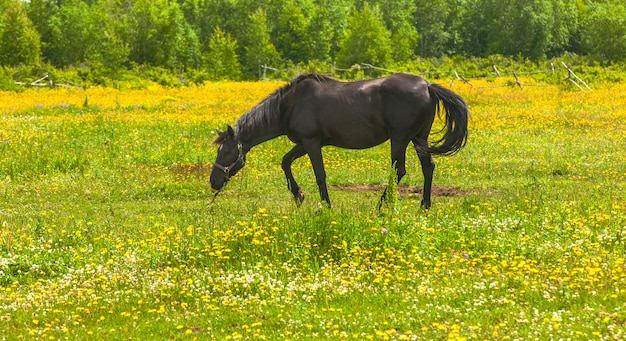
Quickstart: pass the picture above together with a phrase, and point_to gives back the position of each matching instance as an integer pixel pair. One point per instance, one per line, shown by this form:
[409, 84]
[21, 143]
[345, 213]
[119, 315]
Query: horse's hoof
[299, 197]
[425, 205]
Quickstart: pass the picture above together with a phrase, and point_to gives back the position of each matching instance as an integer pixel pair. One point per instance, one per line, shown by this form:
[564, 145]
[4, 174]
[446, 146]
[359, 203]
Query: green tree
[472, 29]
[19, 41]
[405, 40]
[338, 13]
[605, 31]
[291, 34]
[396, 13]
[566, 29]
[437, 22]
[533, 28]
[398, 16]
[107, 48]
[367, 39]
[321, 33]
[40, 12]
[191, 11]
[158, 35]
[71, 34]
[258, 49]
[522, 27]
[171, 33]
[187, 50]
[213, 13]
[221, 61]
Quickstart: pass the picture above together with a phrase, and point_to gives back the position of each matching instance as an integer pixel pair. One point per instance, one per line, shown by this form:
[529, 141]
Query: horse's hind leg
[293, 154]
[428, 168]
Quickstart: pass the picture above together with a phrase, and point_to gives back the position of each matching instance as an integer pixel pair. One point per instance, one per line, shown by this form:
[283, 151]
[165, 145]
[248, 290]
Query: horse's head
[230, 158]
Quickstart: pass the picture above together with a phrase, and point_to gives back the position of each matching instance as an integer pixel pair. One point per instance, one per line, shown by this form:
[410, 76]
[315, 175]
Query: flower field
[107, 231]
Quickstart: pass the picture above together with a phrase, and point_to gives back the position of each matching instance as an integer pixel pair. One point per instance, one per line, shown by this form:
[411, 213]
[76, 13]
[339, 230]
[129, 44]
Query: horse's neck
[261, 123]
[250, 139]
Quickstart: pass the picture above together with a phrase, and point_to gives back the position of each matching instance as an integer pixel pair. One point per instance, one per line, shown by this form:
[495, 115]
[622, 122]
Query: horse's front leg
[313, 147]
[295, 153]
[398, 160]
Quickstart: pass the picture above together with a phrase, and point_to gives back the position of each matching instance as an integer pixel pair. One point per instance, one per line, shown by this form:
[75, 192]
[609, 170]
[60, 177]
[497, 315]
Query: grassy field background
[107, 232]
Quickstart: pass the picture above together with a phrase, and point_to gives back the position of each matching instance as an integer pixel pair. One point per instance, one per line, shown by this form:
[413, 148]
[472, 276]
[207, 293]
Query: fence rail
[47, 81]
[572, 78]
[456, 76]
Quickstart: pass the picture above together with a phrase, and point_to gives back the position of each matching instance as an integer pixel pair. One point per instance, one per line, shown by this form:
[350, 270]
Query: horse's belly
[355, 137]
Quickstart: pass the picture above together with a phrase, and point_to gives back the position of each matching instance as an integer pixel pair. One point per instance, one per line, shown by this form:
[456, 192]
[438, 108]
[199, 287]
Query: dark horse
[316, 111]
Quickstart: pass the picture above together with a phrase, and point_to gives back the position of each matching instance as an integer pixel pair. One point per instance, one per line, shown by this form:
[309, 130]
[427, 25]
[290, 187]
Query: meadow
[107, 231]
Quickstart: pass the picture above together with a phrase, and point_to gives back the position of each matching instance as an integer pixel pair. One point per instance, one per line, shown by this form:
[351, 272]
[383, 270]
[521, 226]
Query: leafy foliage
[259, 49]
[291, 33]
[109, 36]
[367, 39]
[19, 41]
[221, 60]
[606, 38]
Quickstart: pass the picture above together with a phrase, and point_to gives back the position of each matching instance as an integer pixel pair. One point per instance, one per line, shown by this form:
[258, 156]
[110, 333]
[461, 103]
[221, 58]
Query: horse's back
[407, 88]
[359, 114]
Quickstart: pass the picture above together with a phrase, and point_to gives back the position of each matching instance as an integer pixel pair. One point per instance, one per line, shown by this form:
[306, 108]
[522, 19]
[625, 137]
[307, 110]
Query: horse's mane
[267, 112]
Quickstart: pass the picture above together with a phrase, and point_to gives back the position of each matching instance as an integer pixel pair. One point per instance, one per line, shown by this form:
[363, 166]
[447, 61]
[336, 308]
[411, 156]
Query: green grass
[107, 231]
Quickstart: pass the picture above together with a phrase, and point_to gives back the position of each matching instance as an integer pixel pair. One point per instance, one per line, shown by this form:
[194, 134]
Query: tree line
[233, 39]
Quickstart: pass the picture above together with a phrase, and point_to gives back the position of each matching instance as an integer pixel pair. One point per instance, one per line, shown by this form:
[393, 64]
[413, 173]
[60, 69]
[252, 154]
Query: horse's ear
[220, 137]
[231, 132]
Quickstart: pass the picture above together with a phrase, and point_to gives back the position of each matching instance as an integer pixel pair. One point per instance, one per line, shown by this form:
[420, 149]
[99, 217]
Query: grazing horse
[316, 111]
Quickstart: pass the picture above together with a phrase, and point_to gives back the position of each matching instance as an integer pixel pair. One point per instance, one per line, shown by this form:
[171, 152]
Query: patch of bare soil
[439, 191]
[196, 169]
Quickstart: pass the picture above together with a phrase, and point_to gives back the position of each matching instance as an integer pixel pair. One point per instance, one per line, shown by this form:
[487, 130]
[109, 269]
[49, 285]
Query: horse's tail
[456, 119]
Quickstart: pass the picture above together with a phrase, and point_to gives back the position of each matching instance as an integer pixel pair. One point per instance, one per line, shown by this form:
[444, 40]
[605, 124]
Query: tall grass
[107, 232]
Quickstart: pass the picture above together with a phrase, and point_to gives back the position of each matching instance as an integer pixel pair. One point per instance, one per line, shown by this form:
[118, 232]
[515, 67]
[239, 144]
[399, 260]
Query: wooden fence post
[517, 79]
[496, 70]
[571, 73]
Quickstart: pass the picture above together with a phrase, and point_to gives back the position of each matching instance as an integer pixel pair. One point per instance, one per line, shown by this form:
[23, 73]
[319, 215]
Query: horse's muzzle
[217, 185]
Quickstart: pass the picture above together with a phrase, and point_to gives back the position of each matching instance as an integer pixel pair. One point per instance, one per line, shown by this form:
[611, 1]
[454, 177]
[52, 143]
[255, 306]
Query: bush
[6, 80]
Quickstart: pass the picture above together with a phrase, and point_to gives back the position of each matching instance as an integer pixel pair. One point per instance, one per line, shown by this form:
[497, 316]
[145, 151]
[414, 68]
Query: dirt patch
[438, 191]
[196, 169]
